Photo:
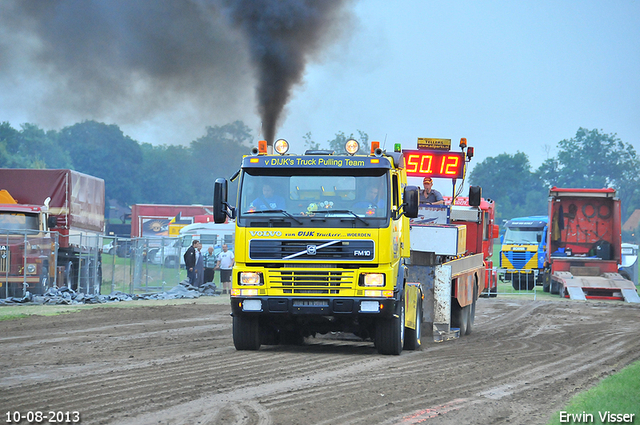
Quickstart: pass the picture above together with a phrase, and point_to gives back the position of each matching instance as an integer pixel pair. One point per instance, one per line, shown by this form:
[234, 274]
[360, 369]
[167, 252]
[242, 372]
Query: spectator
[190, 262]
[210, 262]
[226, 260]
[199, 265]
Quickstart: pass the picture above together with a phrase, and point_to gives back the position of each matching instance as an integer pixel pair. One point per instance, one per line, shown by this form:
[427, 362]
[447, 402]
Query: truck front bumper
[378, 307]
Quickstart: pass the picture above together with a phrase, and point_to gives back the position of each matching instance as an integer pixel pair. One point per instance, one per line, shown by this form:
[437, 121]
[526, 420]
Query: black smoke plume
[130, 60]
[283, 35]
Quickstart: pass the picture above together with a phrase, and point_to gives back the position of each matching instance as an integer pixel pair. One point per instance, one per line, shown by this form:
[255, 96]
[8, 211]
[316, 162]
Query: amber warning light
[424, 163]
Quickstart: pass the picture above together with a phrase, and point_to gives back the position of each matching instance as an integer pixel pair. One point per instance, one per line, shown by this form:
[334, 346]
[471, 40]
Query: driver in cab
[268, 200]
[372, 201]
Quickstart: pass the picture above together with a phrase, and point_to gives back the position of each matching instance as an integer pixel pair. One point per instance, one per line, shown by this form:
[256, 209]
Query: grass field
[617, 394]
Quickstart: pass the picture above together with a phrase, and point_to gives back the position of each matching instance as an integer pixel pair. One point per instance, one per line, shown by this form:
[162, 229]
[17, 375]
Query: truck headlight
[31, 268]
[251, 278]
[372, 279]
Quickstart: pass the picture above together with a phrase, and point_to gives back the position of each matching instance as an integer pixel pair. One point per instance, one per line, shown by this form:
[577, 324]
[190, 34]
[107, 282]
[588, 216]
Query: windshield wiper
[343, 212]
[274, 211]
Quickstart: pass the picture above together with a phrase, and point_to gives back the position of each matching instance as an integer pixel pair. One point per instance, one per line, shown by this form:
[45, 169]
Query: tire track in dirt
[523, 359]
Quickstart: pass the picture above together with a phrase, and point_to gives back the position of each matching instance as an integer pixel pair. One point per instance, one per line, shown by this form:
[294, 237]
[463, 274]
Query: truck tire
[554, 287]
[246, 332]
[546, 281]
[460, 316]
[625, 274]
[390, 333]
[493, 292]
[412, 337]
[525, 283]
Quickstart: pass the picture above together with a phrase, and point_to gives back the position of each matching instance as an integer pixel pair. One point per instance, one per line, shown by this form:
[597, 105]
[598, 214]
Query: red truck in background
[152, 220]
[481, 234]
[584, 247]
[42, 208]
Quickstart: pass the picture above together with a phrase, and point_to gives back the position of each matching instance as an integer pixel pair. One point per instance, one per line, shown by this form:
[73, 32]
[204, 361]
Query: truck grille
[5, 257]
[519, 260]
[336, 250]
[311, 282]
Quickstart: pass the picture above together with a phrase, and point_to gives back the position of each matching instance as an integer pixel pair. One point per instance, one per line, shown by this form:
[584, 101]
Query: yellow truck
[322, 245]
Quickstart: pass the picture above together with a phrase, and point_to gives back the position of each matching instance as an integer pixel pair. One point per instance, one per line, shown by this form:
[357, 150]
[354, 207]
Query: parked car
[109, 248]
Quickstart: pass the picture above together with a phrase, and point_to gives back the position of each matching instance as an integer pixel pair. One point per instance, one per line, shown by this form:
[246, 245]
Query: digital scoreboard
[434, 163]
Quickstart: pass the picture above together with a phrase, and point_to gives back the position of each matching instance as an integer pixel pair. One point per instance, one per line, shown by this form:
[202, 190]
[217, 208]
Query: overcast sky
[507, 75]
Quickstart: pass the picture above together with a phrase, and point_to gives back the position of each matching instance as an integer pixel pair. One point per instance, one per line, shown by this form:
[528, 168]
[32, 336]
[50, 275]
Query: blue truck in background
[523, 249]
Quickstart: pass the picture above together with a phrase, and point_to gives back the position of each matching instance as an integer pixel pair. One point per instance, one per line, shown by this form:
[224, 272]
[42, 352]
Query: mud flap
[442, 330]
[412, 296]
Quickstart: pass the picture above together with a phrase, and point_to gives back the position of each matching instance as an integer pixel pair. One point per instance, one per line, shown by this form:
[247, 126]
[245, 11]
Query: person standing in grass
[210, 262]
[226, 260]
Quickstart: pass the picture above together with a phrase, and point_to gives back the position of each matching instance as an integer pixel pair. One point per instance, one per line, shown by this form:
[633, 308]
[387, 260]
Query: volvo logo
[266, 233]
[311, 249]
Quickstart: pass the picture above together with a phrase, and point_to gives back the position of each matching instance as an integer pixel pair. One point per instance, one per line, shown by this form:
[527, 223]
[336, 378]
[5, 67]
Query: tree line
[136, 173]
[591, 159]
[140, 173]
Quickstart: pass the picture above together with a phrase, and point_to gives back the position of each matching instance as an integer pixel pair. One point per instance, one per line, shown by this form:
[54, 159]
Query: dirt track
[177, 365]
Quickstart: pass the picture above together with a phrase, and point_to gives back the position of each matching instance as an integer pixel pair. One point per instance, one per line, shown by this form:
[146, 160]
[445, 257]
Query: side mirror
[475, 196]
[496, 231]
[411, 197]
[220, 201]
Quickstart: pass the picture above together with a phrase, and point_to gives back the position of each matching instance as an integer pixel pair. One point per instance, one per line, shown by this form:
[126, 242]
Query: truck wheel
[554, 287]
[412, 338]
[625, 274]
[493, 292]
[390, 333]
[516, 283]
[246, 333]
[546, 281]
[170, 262]
[460, 316]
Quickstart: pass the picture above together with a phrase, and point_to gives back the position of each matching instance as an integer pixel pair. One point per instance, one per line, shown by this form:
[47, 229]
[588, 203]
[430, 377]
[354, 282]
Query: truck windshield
[16, 223]
[523, 235]
[303, 195]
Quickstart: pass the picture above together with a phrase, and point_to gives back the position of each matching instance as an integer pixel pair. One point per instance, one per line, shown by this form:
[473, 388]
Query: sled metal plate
[442, 303]
[447, 335]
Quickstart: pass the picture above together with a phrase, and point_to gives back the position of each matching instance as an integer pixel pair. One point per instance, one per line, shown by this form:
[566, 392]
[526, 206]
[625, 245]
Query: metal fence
[512, 283]
[141, 265]
[34, 263]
